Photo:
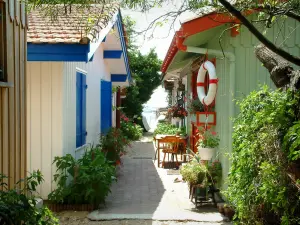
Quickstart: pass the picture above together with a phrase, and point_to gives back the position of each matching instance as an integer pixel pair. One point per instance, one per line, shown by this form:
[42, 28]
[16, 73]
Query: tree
[145, 71]
[268, 11]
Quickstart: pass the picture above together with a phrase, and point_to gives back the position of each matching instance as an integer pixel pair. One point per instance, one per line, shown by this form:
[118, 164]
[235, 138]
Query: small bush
[130, 129]
[113, 144]
[260, 188]
[170, 129]
[83, 181]
[17, 206]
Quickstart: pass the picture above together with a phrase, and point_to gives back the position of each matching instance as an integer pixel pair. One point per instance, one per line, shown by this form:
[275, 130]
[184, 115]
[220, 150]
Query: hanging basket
[181, 86]
[168, 85]
[206, 153]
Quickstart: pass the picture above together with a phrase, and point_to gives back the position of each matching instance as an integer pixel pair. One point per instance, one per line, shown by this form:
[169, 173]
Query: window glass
[2, 42]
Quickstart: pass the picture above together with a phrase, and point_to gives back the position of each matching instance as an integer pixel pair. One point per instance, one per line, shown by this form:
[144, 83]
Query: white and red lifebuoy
[213, 82]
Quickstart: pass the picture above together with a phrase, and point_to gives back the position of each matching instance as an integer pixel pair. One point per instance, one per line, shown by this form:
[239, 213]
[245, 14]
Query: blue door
[80, 109]
[106, 106]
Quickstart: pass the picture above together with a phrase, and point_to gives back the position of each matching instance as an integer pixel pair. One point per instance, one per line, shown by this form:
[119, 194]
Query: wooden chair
[170, 146]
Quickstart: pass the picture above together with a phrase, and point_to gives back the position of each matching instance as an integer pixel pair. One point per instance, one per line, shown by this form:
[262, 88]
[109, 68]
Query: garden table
[158, 141]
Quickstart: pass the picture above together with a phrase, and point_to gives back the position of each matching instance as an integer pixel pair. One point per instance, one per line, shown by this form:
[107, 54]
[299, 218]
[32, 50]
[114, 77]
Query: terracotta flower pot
[221, 208]
[229, 212]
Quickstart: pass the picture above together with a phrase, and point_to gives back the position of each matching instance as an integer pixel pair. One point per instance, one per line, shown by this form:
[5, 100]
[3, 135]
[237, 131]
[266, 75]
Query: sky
[161, 41]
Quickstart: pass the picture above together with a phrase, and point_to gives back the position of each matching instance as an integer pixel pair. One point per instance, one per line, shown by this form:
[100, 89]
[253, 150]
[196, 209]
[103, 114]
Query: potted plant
[181, 86]
[208, 141]
[177, 112]
[194, 105]
[113, 144]
[168, 85]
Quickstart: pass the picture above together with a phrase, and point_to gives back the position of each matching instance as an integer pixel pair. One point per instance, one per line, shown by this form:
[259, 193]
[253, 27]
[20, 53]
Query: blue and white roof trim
[42, 45]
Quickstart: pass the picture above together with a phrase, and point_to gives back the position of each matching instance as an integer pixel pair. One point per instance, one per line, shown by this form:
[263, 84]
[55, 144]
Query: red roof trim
[192, 27]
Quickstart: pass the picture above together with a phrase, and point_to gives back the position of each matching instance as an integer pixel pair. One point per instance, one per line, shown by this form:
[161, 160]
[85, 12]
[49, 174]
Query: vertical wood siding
[96, 71]
[249, 75]
[44, 114]
[13, 100]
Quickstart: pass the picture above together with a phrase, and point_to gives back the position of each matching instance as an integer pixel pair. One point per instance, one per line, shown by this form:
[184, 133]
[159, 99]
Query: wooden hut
[12, 90]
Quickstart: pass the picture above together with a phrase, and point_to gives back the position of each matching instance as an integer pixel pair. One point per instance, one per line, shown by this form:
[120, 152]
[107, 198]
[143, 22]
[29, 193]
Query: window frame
[3, 60]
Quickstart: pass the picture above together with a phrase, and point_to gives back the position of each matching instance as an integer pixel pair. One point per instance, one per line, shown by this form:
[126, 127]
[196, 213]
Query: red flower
[214, 133]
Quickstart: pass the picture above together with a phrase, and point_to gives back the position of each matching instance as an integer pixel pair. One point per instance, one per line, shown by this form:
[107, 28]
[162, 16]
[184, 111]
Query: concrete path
[146, 192]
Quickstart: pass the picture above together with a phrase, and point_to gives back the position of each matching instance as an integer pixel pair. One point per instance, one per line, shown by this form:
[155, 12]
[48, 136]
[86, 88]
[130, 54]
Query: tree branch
[259, 35]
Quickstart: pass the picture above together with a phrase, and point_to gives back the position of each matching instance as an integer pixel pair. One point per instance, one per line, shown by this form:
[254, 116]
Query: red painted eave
[192, 27]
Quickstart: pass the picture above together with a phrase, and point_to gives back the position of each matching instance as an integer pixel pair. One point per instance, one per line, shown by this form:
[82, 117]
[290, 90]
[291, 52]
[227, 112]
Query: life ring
[213, 81]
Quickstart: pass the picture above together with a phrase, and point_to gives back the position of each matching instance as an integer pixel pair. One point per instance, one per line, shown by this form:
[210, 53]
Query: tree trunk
[281, 72]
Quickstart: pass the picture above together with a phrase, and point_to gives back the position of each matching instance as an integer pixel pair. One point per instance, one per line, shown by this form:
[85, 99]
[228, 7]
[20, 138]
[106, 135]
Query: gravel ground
[79, 218]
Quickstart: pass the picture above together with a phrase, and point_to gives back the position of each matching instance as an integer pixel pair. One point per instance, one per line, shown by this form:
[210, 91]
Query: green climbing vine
[265, 141]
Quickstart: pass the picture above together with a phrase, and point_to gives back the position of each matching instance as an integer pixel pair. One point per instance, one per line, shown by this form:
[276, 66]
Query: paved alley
[146, 192]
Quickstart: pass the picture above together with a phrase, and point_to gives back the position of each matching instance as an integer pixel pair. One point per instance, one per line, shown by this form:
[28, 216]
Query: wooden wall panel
[44, 119]
[12, 100]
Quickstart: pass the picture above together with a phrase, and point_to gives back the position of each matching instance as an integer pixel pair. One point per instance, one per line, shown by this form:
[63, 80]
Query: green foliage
[170, 129]
[82, 181]
[207, 138]
[17, 206]
[113, 144]
[292, 142]
[195, 105]
[259, 188]
[130, 129]
[145, 70]
[194, 173]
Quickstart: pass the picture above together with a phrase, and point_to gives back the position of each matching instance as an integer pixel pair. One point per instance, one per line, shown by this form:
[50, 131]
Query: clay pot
[221, 209]
[229, 212]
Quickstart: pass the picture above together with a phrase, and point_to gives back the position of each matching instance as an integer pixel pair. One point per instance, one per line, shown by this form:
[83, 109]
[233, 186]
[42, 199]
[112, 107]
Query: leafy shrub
[113, 144]
[170, 129]
[131, 130]
[18, 207]
[82, 181]
[259, 188]
[292, 142]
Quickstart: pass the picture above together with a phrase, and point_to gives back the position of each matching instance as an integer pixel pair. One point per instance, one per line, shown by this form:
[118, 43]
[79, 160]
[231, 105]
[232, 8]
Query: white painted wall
[44, 119]
[96, 71]
[51, 112]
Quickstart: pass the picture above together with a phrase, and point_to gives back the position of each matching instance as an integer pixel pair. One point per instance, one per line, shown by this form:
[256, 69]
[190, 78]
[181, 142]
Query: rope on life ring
[209, 67]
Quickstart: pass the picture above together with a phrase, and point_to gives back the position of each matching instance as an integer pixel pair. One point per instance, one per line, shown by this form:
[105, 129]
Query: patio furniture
[171, 145]
[201, 194]
[159, 145]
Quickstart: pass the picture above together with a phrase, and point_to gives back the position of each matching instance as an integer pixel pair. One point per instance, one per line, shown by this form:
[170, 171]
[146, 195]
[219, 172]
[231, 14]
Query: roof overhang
[114, 51]
[196, 32]
[115, 54]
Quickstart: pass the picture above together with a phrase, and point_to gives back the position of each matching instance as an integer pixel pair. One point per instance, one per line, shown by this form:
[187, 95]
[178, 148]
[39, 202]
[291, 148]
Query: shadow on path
[144, 191]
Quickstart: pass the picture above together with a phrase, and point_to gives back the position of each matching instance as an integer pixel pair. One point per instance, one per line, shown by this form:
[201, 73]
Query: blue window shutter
[83, 131]
[80, 109]
[106, 106]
